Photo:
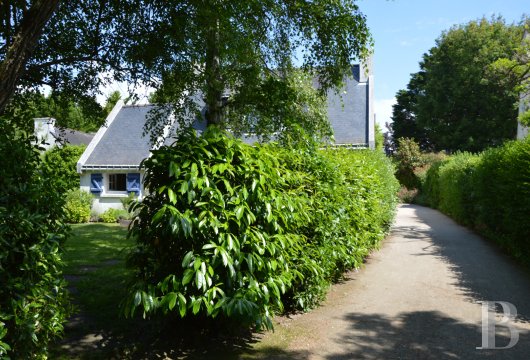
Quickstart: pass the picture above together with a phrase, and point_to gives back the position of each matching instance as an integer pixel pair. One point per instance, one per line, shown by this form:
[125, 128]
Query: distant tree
[452, 103]
[379, 138]
[404, 122]
[111, 101]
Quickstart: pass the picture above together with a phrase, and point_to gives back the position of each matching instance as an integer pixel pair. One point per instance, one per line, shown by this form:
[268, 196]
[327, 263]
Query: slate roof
[72, 137]
[123, 146]
[122, 143]
[348, 111]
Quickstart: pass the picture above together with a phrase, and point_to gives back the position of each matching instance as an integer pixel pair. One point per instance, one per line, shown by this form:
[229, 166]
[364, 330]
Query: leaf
[183, 187]
[158, 216]
[187, 259]
[196, 306]
[172, 300]
[172, 196]
[186, 226]
[199, 280]
[182, 304]
[137, 298]
[188, 275]
[240, 211]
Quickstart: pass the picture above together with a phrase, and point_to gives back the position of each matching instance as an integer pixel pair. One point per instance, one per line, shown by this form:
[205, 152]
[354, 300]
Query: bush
[33, 297]
[59, 166]
[490, 192]
[113, 215]
[238, 231]
[408, 157]
[77, 207]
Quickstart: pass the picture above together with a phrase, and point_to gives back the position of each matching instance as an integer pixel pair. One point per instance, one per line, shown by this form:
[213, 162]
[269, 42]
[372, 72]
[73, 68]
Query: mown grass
[94, 256]
[95, 269]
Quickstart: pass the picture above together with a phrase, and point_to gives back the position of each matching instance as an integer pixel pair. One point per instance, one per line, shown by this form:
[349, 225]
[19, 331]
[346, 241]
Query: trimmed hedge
[489, 191]
[241, 232]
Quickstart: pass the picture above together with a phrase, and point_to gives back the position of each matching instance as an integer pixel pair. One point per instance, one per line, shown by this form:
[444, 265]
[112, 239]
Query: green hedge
[33, 296]
[489, 191]
[240, 232]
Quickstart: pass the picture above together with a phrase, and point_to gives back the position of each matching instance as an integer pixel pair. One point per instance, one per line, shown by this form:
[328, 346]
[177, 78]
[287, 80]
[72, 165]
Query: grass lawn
[94, 257]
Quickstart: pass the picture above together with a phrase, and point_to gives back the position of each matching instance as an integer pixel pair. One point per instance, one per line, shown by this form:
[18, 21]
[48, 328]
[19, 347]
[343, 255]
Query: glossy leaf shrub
[241, 232]
[33, 298]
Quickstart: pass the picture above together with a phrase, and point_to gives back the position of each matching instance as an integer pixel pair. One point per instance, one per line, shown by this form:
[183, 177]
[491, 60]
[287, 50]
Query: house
[51, 135]
[110, 166]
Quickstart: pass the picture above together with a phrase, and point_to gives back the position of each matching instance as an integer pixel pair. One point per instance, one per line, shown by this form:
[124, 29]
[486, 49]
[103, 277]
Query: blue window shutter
[133, 183]
[96, 183]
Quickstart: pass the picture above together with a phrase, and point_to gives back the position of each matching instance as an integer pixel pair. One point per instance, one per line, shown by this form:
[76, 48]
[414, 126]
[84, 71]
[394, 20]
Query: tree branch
[22, 47]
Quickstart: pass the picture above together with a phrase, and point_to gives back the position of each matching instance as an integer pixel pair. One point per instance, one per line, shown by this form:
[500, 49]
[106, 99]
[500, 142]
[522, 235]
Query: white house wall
[107, 200]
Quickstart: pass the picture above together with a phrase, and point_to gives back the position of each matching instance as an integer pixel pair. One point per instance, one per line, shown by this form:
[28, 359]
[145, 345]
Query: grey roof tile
[123, 143]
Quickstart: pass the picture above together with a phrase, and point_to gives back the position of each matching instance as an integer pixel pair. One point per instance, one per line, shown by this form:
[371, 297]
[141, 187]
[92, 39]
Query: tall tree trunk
[22, 47]
[214, 83]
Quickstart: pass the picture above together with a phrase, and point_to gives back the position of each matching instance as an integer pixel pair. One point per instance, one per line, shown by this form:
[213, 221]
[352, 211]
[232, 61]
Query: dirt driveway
[416, 298]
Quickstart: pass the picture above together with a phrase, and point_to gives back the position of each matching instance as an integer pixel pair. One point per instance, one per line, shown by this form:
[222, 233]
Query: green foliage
[379, 138]
[454, 102]
[109, 216]
[409, 158]
[33, 297]
[238, 231]
[249, 48]
[59, 166]
[490, 191]
[78, 205]
[111, 101]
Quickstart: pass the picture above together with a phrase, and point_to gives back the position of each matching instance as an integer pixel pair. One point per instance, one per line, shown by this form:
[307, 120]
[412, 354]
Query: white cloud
[383, 111]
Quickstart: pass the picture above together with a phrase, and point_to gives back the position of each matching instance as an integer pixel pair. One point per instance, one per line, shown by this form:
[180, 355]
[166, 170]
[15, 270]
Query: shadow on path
[420, 335]
[482, 272]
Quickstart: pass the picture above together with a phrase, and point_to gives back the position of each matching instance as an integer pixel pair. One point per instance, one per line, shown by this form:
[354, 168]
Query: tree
[81, 47]
[238, 56]
[18, 45]
[111, 101]
[452, 99]
[404, 121]
[59, 166]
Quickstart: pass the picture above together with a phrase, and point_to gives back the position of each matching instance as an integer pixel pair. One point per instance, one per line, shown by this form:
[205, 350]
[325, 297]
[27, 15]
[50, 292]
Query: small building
[51, 135]
[110, 166]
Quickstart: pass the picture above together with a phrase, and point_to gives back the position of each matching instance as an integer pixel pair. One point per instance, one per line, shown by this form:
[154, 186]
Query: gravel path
[416, 298]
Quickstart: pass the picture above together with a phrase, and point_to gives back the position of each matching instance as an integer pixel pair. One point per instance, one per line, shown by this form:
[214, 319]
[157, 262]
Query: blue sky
[403, 30]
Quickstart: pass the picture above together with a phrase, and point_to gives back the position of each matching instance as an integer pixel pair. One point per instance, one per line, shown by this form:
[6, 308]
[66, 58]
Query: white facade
[106, 199]
[45, 131]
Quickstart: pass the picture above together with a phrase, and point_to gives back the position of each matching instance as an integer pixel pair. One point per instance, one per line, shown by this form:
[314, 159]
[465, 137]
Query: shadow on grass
[156, 339]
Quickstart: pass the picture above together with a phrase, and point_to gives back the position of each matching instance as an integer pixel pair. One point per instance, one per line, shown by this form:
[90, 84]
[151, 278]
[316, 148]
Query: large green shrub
[408, 157]
[490, 192]
[215, 232]
[33, 298]
[78, 205]
[240, 231]
[59, 166]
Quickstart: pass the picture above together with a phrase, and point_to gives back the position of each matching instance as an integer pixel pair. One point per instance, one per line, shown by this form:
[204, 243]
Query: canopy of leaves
[454, 103]
[242, 54]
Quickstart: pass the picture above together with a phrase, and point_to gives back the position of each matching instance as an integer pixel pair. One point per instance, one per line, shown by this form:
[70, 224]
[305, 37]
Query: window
[117, 182]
